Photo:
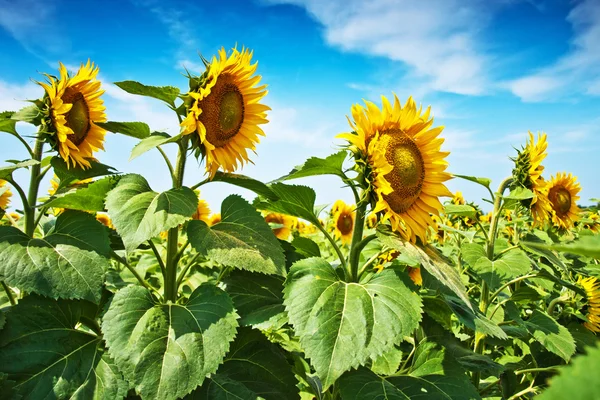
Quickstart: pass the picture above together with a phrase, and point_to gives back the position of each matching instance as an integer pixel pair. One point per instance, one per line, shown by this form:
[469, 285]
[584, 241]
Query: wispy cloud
[577, 71]
[436, 39]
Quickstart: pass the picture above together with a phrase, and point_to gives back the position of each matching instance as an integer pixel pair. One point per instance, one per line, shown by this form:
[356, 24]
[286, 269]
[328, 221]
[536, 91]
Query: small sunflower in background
[405, 167]
[214, 219]
[415, 275]
[528, 174]
[74, 106]
[282, 224]
[371, 220]
[592, 294]
[105, 220]
[343, 221]
[202, 212]
[225, 111]
[562, 194]
[5, 195]
[458, 199]
[590, 221]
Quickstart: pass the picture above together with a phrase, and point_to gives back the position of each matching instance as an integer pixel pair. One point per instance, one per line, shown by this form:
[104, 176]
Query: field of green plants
[111, 290]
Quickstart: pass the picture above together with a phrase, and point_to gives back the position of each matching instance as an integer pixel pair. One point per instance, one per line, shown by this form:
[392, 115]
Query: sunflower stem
[168, 162]
[173, 236]
[335, 247]
[34, 184]
[9, 293]
[358, 249]
[357, 240]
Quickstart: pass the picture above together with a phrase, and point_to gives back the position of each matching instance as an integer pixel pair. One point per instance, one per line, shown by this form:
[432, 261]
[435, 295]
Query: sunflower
[55, 184]
[591, 221]
[202, 211]
[284, 224]
[562, 193]
[371, 220]
[485, 218]
[592, 291]
[343, 221]
[105, 220]
[214, 219]
[74, 107]
[415, 275]
[5, 195]
[458, 199]
[407, 167]
[225, 111]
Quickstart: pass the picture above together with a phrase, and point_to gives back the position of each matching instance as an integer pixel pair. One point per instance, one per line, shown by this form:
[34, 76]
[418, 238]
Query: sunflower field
[111, 290]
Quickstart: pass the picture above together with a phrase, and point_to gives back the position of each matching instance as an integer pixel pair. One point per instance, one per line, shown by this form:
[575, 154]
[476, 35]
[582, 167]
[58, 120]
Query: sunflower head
[5, 195]
[105, 220]
[400, 159]
[415, 275]
[592, 294]
[73, 106]
[562, 195]
[282, 224]
[371, 220]
[214, 219]
[343, 221]
[458, 199]
[224, 111]
[202, 211]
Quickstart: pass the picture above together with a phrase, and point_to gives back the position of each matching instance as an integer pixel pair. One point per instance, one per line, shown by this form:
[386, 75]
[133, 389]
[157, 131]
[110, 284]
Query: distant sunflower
[5, 196]
[592, 291]
[225, 111]
[75, 106]
[284, 222]
[562, 193]
[214, 219]
[458, 199]
[407, 166]
[343, 222]
[371, 220]
[202, 211]
[486, 218]
[105, 220]
[415, 275]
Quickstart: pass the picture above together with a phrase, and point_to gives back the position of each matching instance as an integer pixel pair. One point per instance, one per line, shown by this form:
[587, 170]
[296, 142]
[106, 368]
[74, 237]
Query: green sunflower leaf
[168, 94]
[578, 381]
[388, 362]
[241, 240]
[30, 114]
[342, 325]
[167, 350]
[519, 193]
[254, 368]
[257, 297]
[7, 124]
[507, 266]
[138, 213]
[6, 172]
[434, 375]
[486, 182]
[90, 198]
[245, 182]
[154, 140]
[295, 200]
[61, 362]
[306, 247]
[331, 165]
[586, 245]
[138, 130]
[461, 210]
[552, 335]
[68, 175]
[474, 319]
[68, 263]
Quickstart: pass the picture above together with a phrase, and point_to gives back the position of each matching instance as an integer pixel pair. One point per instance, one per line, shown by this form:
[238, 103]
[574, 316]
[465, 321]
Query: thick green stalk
[357, 237]
[173, 236]
[34, 184]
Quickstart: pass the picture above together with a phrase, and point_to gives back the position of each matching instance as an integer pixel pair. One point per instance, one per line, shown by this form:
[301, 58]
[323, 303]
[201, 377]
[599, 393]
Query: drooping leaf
[6, 172]
[474, 320]
[90, 198]
[331, 165]
[241, 240]
[482, 181]
[167, 350]
[257, 297]
[553, 336]
[68, 175]
[341, 325]
[586, 245]
[68, 263]
[507, 266]
[30, 114]
[430, 259]
[61, 362]
[295, 200]
[138, 213]
[245, 182]
[168, 94]
[138, 130]
[148, 143]
[253, 364]
[7, 124]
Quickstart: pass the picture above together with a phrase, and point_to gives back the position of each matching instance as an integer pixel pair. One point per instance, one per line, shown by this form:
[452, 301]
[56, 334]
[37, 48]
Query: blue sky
[490, 69]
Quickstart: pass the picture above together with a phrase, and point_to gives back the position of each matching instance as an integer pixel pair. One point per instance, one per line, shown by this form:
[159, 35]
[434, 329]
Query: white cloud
[575, 72]
[13, 96]
[435, 38]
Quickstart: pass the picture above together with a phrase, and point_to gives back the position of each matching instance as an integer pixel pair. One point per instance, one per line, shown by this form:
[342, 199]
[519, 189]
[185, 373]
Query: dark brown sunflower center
[408, 174]
[345, 223]
[78, 117]
[561, 200]
[222, 111]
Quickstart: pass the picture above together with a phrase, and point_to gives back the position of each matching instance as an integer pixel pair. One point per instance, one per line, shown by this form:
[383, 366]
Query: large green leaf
[245, 182]
[552, 335]
[430, 259]
[586, 245]
[331, 165]
[137, 130]
[474, 319]
[241, 240]
[541, 251]
[150, 142]
[41, 349]
[90, 198]
[7, 124]
[341, 325]
[578, 381]
[507, 266]
[167, 350]
[67, 175]
[138, 213]
[434, 375]
[68, 263]
[295, 200]
[6, 172]
[168, 94]
[254, 364]
[257, 297]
